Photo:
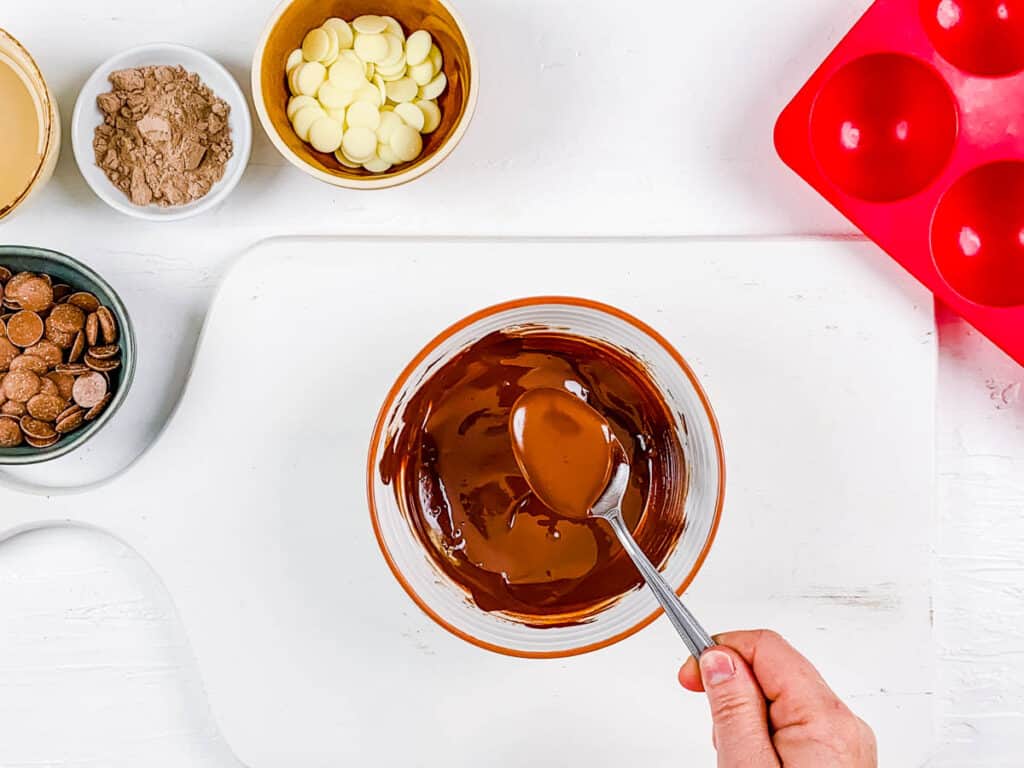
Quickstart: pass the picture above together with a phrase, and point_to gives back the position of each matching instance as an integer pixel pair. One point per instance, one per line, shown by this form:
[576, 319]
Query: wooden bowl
[285, 32]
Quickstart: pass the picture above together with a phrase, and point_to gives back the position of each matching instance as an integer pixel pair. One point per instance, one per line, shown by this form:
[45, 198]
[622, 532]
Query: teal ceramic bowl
[62, 268]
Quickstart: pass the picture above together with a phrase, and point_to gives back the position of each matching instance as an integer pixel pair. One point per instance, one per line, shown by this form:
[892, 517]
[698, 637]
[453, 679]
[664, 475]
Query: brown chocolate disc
[77, 348]
[21, 386]
[99, 408]
[28, 362]
[71, 422]
[34, 294]
[35, 443]
[25, 328]
[5, 274]
[68, 318]
[84, 301]
[47, 387]
[64, 381]
[37, 429]
[12, 408]
[70, 411]
[14, 284]
[102, 365]
[7, 353]
[92, 329]
[47, 351]
[10, 433]
[62, 339]
[61, 291]
[90, 388]
[46, 407]
[104, 352]
[108, 325]
[74, 369]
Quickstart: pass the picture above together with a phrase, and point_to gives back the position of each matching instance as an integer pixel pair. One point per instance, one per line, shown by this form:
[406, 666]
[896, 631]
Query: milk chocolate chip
[10, 433]
[58, 358]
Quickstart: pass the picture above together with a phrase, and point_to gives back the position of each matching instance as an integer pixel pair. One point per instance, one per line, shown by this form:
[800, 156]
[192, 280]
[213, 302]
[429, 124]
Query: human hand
[772, 709]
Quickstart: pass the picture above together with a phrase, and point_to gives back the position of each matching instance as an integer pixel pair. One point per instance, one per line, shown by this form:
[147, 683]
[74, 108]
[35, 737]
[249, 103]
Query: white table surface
[93, 667]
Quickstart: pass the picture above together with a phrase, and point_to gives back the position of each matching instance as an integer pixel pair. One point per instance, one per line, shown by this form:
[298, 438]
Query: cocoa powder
[165, 137]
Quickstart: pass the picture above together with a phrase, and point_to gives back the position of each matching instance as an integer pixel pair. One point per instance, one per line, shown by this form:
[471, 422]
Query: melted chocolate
[455, 476]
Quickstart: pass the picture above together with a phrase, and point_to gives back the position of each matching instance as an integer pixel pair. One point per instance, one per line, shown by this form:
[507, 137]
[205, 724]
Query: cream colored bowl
[14, 54]
[284, 33]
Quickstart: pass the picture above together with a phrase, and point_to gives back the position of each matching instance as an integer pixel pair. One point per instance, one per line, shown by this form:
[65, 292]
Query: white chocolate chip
[402, 90]
[309, 77]
[377, 165]
[382, 88]
[396, 50]
[387, 154]
[295, 103]
[333, 48]
[406, 143]
[340, 157]
[388, 122]
[417, 47]
[315, 45]
[431, 115]
[411, 115]
[394, 28]
[390, 75]
[325, 135]
[369, 92]
[333, 97]
[294, 59]
[422, 73]
[434, 88]
[372, 48]
[435, 58]
[293, 81]
[362, 114]
[343, 30]
[347, 74]
[360, 143]
[304, 120]
[369, 24]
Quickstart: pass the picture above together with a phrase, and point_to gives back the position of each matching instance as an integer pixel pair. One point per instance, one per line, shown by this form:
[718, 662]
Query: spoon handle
[693, 634]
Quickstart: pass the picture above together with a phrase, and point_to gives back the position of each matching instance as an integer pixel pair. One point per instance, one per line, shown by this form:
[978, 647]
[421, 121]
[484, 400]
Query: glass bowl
[20, 60]
[448, 603]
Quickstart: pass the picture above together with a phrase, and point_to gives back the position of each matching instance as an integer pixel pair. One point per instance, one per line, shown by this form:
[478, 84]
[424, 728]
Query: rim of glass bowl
[403, 378]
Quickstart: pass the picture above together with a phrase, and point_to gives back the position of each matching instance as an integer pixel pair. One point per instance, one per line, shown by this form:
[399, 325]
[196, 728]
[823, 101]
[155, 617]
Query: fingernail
[716, 668]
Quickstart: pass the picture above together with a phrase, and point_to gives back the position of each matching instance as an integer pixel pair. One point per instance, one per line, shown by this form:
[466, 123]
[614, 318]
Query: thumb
[738, 710]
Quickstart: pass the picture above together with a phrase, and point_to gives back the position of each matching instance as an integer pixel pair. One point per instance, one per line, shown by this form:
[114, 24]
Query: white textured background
[93, 668]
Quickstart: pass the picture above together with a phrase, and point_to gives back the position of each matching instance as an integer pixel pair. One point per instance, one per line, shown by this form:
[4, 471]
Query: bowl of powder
[161, 132]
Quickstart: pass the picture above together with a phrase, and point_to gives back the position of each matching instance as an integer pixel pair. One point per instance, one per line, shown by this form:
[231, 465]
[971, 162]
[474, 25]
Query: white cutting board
[818, 358]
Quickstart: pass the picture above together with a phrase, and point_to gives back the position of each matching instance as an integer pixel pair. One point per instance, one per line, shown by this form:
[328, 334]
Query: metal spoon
[568, 452]
[609, 508]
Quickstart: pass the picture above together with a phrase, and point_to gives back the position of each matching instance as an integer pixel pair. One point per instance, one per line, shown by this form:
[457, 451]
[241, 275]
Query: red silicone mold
[913, 128]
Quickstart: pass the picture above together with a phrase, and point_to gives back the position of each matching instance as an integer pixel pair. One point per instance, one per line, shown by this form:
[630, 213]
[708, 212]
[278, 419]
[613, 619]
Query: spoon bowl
[563, 448]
